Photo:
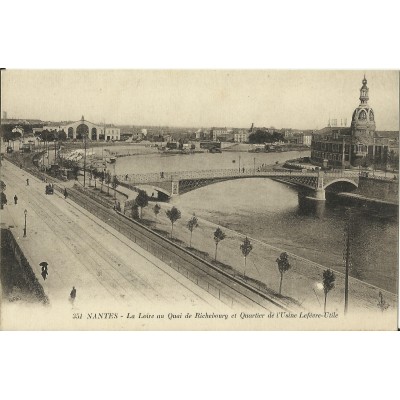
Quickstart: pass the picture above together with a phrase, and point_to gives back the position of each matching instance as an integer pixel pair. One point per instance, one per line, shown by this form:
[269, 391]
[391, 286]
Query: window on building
[360, 148]
[362, 115]
[371, 115]
[335, 134]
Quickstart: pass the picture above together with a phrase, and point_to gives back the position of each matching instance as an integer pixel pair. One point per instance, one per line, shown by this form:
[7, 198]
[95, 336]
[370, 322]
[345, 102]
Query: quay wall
[378, 188]
[22, 264]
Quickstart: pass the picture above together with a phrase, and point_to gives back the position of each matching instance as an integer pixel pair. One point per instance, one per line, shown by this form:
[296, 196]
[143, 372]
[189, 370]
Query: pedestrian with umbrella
[44, 265]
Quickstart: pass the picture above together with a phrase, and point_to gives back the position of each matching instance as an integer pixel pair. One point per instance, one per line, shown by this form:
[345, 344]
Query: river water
[271, 212]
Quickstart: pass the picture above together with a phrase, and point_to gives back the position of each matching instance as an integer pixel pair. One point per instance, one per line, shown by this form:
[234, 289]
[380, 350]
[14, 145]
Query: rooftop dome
[363, 114]
[363, 119]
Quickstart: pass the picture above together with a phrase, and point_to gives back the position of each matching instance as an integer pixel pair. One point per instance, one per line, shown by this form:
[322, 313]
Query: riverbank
[301, 283]
[248, 147]
[363, 201]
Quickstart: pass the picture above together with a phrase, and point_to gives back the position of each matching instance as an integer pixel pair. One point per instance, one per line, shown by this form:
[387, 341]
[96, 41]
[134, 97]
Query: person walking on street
[15, 199]
[65, 193]
[27, 182]
[73, 293]
[44, 272]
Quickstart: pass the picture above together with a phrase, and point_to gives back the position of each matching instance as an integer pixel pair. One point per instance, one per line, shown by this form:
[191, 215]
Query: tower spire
[364, 92]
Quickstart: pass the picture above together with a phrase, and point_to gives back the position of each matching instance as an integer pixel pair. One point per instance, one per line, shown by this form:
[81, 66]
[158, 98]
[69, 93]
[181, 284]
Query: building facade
[217, 132]
[357, 145]
[241, 136]
[78, 129]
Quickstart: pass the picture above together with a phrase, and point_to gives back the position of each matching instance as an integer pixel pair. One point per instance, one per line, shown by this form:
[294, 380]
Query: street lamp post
[25, 213]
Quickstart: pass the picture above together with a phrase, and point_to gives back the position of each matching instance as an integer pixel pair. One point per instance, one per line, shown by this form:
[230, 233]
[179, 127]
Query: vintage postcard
[199, 200]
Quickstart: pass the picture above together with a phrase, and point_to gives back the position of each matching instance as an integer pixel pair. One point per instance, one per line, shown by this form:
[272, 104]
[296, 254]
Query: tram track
[207, 271]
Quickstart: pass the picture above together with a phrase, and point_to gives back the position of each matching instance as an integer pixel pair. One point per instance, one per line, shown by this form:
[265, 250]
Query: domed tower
[362, 124]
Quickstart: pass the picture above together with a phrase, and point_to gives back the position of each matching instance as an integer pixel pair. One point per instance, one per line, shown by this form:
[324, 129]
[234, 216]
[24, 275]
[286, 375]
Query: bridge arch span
[341, 180]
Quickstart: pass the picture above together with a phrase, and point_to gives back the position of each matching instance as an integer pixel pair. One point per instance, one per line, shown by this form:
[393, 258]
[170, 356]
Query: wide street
[82, 251]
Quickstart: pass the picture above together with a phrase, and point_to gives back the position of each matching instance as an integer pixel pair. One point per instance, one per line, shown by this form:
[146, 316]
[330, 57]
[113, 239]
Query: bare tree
[218, 236]
[173, 215]
[141, 201]
[283, 266]
[246, 248]
[328, 280]
[156, 209]
[135, 211]
[191, 225]
[108, 181]
[114, 184]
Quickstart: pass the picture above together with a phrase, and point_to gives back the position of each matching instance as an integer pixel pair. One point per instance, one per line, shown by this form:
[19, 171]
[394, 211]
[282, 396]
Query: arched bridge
[175, 183]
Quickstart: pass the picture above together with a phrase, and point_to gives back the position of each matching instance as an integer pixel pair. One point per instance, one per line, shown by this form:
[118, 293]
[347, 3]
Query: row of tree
[51, 136]
[107, 178]
[261, 136]
[283, 264]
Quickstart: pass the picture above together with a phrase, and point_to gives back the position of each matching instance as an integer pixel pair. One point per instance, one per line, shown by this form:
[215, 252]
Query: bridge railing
[207, 174]
[341, 174]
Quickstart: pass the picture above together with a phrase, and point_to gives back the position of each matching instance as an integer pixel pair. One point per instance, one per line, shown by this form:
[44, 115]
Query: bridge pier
[319, 194]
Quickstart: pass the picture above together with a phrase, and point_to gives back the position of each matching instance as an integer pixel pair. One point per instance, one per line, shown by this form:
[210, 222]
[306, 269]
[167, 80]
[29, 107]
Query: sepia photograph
[199, 199]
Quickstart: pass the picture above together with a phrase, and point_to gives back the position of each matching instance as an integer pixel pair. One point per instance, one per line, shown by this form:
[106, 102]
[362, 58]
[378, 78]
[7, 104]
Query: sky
[199, 98]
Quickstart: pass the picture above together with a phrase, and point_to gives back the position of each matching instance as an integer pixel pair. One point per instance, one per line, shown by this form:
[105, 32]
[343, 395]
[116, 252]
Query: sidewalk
[41, 244]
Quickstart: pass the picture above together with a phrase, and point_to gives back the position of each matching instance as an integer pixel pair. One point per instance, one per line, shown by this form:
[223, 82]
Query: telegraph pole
[55, 148]
[373, 157]
[84, 161]
[44, 151]
[343, 153]
[47, 151]
[347, 263]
